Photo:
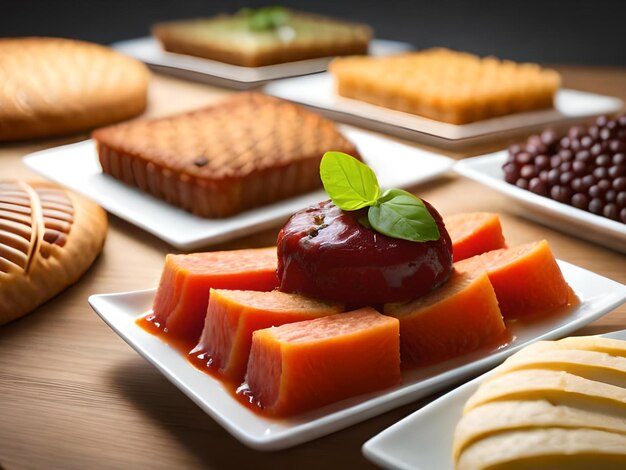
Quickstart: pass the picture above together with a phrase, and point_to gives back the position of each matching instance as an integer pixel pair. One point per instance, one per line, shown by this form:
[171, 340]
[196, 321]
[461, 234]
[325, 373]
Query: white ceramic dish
[318, 92]
[149, 51]
[423, 440]
[487, 170]
[76, 166]
[597, 294]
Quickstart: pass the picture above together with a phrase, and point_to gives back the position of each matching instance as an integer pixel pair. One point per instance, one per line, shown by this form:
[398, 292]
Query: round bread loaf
[48, 238]
[53, 86]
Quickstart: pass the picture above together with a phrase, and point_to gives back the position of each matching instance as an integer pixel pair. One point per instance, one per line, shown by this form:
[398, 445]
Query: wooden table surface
[73, 395]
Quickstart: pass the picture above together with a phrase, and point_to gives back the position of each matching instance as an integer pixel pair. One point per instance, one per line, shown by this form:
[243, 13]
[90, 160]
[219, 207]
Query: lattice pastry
[446, 85]
[246, 151]
[48, 239]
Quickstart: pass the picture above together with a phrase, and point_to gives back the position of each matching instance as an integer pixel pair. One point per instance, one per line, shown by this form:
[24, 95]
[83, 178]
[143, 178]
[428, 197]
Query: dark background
[548, 31]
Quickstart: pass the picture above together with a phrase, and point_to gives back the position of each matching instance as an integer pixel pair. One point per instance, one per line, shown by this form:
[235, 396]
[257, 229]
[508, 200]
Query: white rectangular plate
[149, 51]
[318, 92]
[487, 170]
[76, 166]
[598, 295]
[423, 440]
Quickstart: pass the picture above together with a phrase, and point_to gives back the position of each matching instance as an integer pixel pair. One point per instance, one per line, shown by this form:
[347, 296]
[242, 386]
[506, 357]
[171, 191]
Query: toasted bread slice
[244, 152]
[445, 85]
[54, 86]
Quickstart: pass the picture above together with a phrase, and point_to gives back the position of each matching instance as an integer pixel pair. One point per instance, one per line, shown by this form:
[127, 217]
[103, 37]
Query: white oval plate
[423, 440]
[598, 296]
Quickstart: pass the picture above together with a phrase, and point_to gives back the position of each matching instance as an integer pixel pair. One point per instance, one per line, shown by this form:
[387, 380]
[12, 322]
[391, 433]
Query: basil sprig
[265, 18]
[396, 213]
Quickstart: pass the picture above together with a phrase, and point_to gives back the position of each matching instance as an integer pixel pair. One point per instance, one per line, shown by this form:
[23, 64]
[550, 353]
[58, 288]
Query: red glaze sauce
[185, 346]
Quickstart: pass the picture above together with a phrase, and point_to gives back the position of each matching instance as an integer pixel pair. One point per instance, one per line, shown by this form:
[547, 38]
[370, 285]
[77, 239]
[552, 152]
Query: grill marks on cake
[58, 216]
[244, 152]
[224, 145]
[15, 227]
[32, 219]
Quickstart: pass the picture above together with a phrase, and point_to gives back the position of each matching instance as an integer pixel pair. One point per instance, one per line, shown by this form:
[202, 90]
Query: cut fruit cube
[459, 317]
[182, 298]
[474, 233]
[301, 366]
[233, 315]
[526, 278]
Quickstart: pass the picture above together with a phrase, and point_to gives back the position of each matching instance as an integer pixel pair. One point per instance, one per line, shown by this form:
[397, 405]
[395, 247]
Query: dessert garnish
[221, 160]
[266, 18]
[363, 247]
[352, 185]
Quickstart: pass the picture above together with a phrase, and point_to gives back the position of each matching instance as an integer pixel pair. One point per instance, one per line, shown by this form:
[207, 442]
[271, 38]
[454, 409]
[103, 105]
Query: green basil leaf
[350, 184]
[399, 214]
[365, 222]
[266, 18]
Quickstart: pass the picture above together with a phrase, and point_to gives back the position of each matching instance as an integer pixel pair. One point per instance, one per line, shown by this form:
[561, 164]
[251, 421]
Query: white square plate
[487, 170]
[598, 295]
[318, 92]
[76, 166]
[423, 440]
[149, 51]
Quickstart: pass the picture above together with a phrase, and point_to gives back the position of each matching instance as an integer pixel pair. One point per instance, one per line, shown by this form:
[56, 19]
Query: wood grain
[75, 396]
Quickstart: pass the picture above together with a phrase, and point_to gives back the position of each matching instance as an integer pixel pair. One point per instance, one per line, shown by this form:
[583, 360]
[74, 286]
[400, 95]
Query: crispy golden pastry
[48, 238]
[54, 86]
[445, 85]
[244, 152]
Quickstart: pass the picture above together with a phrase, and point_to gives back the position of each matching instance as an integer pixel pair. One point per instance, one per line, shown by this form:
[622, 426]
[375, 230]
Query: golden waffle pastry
[445, 85]
[246, 151]
[53, 86]
[228, 38]
[48, 239]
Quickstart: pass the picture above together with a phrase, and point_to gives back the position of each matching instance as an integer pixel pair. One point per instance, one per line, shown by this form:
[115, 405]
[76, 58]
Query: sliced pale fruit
[498, 416]
[543, 449]
[460, 316]
[557, 387]
[610, 346]
[592, 365]
[233, 315]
